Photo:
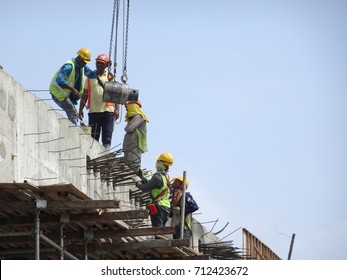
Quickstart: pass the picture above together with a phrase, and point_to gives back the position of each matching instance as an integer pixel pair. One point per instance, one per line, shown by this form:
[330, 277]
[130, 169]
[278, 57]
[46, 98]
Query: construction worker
[158, 187]
[135, 138]
[176, 203]
[101, 114]
[67, 83]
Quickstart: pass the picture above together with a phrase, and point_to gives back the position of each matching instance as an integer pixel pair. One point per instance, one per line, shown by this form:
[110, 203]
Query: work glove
[136, 179]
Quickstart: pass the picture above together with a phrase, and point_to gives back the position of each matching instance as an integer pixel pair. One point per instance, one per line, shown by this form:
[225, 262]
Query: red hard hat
[103, 58]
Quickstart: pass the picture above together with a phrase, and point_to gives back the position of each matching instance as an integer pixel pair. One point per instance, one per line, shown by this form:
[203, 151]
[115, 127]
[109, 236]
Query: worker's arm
[89, 73]
[156, 182]
[61, 79]
[116, 112]
[83, 102]
[133, 123]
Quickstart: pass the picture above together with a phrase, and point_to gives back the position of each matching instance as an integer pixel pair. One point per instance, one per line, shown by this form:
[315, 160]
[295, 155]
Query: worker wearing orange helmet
[158, 188]
[101, 114]
[67, 83]
[135, 138]
[176, 203]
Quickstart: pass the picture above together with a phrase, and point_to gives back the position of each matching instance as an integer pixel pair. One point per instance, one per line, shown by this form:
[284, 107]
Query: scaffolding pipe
[291, 247]
[57, 247]
[85, 244]
[37, 235]
[62, 241]
[183, 205]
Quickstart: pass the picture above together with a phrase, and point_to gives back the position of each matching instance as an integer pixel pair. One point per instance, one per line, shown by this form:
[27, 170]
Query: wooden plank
[60, 205]
[134, 245]
[46, 218]
[61, 188]
[97, 234]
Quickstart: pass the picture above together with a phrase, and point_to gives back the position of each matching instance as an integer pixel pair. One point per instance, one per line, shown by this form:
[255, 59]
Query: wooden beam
[47, 218]
[147, 244]
[60, 205]
[97, 234]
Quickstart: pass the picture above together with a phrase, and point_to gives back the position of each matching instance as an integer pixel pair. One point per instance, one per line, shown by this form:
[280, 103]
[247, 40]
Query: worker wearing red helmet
[101, 114]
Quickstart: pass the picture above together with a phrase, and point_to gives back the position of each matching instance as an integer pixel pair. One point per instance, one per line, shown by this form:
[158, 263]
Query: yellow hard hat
[166, 158]
[180, 178]
[85, 54]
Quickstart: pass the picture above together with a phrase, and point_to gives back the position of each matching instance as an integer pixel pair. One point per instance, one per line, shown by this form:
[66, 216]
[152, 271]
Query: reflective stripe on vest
[61, 93]
[164, 200]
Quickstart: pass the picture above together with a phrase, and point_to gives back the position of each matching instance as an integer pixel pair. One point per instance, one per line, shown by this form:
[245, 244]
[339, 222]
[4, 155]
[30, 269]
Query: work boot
[107, 146]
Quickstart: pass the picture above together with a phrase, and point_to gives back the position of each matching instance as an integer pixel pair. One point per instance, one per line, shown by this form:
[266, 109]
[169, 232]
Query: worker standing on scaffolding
[135, 138]
[158, 187]
[176, 203]
[101, 114]
[67, 83]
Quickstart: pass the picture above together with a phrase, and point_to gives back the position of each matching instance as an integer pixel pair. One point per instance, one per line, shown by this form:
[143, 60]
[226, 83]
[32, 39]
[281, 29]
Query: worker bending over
[67, 83]
[157, 186]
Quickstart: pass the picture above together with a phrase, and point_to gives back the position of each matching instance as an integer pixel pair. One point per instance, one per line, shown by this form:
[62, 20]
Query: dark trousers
[162, 216]
[102, 123]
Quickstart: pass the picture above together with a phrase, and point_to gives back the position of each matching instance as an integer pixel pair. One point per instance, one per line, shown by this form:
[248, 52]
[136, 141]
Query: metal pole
[62, 240]
[37, 235]
[85, 244]
[55, 246]
[291, 247]
[183, 205]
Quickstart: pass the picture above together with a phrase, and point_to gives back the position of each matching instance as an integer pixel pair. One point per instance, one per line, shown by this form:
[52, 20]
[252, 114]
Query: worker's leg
[69, 109]
[107, 128]
[162, 216]
[95, 121]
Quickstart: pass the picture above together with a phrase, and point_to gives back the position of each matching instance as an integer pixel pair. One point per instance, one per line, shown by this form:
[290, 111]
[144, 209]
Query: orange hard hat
[103, 58]
[132, 102]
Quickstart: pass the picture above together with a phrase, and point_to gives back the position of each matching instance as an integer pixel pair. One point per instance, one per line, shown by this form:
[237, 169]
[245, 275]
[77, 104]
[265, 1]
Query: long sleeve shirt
[66, 69]
[156, 182]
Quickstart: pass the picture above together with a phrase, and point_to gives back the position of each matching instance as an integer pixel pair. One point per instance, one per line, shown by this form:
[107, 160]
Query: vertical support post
[40, 204]
[37, 235]
[291, 247]
[85, 251]
[62, 241]
[64, 218]
[183, 205]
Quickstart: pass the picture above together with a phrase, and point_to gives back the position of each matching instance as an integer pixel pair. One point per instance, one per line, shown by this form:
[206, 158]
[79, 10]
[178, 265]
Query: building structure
[64, 196]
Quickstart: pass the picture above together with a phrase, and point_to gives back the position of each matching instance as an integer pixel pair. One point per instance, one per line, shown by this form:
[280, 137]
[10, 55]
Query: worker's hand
[139, 173]
[76, 93]
[176, 209]
[116, 114]
[81, 115]
[136, 179]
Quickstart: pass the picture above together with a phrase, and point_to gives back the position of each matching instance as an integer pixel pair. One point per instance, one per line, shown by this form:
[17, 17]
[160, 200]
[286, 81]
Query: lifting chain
[124, 77]
[115, 20]
[115, 17]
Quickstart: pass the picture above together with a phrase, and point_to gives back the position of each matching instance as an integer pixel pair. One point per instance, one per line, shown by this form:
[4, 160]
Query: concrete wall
[41, 146]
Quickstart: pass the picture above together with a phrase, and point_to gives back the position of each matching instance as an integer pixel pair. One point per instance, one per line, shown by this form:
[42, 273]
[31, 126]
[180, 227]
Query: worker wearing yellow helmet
[67, 83]
[158, 188]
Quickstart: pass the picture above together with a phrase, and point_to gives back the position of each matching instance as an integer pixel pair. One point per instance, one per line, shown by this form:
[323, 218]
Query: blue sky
[249, 96]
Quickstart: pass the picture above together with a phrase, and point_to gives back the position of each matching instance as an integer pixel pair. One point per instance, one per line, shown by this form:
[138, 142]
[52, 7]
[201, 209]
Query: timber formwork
[60, 222]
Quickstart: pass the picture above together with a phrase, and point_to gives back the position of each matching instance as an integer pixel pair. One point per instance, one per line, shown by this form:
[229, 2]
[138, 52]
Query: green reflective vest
[62, 93]
[163, 200]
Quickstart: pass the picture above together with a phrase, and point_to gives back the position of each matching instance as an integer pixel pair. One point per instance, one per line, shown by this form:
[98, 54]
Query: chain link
[112, 29]
[115, 20]
[124, 77]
